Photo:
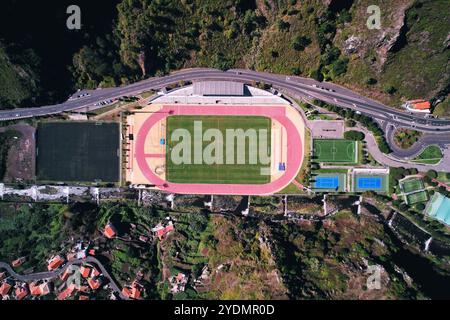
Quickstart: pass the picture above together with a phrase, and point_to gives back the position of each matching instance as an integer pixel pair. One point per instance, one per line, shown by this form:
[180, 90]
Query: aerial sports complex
[214, 137]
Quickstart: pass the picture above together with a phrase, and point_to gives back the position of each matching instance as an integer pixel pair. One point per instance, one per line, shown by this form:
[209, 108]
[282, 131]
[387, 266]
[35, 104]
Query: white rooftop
[252, 96]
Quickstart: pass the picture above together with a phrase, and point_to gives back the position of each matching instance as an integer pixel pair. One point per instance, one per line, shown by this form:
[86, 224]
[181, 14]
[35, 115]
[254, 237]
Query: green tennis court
[417, 197]
[339, 151]
[412, 185]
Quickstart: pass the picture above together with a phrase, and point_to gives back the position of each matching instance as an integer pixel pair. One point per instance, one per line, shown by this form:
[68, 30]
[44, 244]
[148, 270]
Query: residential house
[110, 231]
[55, 262]
[21, 292]
[85, 271]
[178, 283]
[18, 262]
[94, 283]
[161, 231]
[5, 288]
[66, 292]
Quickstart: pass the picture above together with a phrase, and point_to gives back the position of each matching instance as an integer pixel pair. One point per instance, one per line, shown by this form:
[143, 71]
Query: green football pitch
[341, 151]
[215, 173]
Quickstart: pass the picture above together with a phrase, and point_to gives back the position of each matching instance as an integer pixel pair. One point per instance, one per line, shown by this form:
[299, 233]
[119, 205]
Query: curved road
[425, 140]
[438, 129]
[56, 273]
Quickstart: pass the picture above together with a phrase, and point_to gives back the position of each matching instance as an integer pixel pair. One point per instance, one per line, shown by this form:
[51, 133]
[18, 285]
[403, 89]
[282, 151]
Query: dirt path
[22, 154]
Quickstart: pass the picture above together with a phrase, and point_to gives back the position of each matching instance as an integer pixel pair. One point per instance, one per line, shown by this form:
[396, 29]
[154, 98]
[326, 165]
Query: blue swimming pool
[372, 183]
[323, 182]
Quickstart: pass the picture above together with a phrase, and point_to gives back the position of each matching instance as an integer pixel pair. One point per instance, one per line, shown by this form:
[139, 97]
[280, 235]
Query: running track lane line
[294, 150]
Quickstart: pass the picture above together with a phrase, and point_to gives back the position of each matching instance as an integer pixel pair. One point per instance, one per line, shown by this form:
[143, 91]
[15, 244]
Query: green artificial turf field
[412, 185]
[78, 151]
[216, 173]
[340, 151]
[417, 197]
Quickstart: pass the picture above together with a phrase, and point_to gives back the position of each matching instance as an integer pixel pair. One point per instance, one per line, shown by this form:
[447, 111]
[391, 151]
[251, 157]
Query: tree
[371, 81]
[350, 123]
[432, 174]
[283, 25]
[299, 43]
[339, 67]
[390, 90]
[317, 75]
[354, 135]
[420, 207]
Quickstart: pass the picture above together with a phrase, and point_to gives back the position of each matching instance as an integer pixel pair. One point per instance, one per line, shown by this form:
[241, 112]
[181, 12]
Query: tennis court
[372, 183]
[412, 185]
[329, 182]
[339, 150]
[417, 197]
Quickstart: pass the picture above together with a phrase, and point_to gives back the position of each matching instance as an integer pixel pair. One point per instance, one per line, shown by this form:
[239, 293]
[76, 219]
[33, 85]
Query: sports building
[214, 137]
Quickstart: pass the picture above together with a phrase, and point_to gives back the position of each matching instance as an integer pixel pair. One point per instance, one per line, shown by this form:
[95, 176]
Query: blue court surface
[327, 182]
[373, 183]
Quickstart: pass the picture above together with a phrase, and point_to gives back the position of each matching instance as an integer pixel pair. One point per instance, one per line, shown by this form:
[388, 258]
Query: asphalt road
[439, 129]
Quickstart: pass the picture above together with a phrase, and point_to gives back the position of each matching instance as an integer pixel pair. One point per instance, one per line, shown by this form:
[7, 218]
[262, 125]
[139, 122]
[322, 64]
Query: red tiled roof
[95, 272]
[126, 292]
[135, 293]
[4, 289]
[163, 231]
[21, 293]
[110, 231]
[65, 275]
[18, 262]
[85, 271]
[180, 276]
[35, 290]
[66, 293]
[94, 284]
[55, 262]
[421, 105]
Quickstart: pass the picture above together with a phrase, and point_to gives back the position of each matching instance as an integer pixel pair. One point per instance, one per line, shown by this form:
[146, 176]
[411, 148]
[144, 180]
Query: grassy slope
[12, 90]
[431, 154]
[422, 66]
[418, 69]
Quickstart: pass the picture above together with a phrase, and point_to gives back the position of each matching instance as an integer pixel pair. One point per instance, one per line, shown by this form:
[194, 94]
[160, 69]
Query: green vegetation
[405, 138]
[217, 173]
[335, 151]
[442, 110]
[354, 135]
[15, 87]
[138, 39]
[430, 155]
[37, 231]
